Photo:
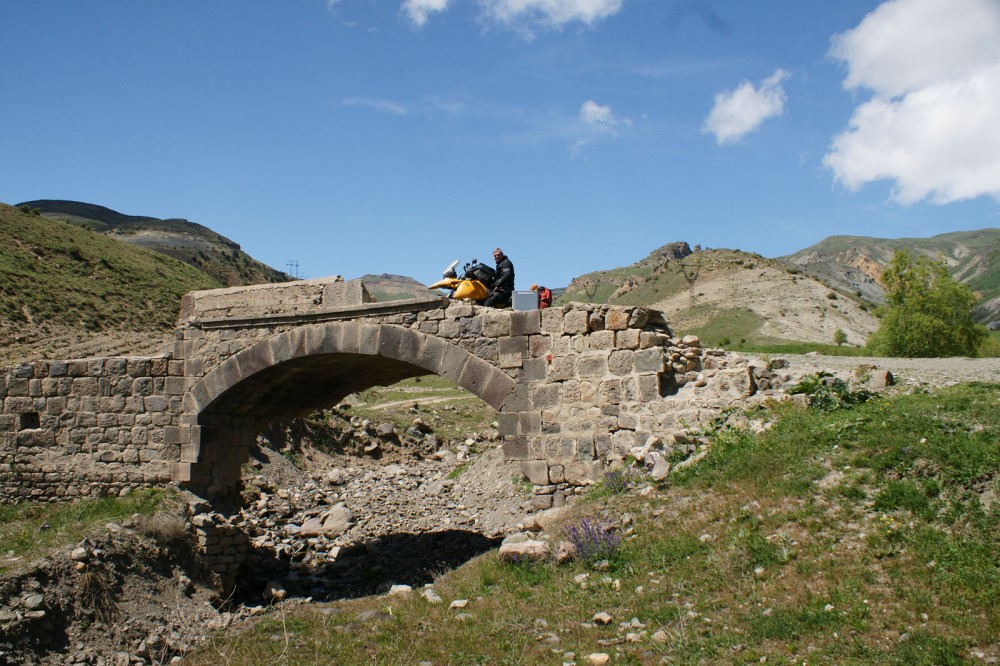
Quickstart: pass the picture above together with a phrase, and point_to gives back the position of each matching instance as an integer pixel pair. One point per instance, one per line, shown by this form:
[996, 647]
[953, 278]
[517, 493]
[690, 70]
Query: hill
[854, 263]
[388, 287]
[63, 285]
[728, 296]
[194, 244]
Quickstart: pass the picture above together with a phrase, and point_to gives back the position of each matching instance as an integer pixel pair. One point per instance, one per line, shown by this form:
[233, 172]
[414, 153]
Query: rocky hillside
[728, 296]
[192, 243]
[854, 263]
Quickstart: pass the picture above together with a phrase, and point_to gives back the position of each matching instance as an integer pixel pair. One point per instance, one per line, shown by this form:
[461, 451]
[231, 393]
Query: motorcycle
[474, 285]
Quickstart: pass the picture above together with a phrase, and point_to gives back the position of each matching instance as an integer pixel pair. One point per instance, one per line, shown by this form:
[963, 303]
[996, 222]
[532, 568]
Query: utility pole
[293, 268]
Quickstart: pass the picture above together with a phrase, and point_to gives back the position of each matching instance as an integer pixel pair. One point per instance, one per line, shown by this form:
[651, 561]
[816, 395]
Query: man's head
[498, 254]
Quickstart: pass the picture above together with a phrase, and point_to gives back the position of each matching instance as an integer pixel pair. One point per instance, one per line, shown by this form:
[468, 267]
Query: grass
[452, 413]
[854, 535]
[726, 327]
[55, 273]
[27, 530]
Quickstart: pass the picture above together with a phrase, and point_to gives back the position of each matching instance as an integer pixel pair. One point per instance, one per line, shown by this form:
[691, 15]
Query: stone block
[137, 368]
[534, 370]
[511, 361]
[603, 340]
[611, 391]
[450, 329]
[18, 405]
[616, 319]
[561, 369]
[650, 360]
[539, 346]
[497, 390]
[621, 362]
[143, 386]
[528, 322]
[177, 435]
[576, 322]
[592, 365]
[36, 438]
[515, 448]
[529, 423]
[453, 362]
[471, 328]
[431, 354]
[475, 375]
[85, 386]
[544, 396]
[486, 349]
[115, 366]
[649, 387]
[18, 386]
[507, 424]
[627, 339]
[582, 473]
[495, 324]
[638, 318]
[457, 309]
[513, 345]
[517, 399]
[552, 321]
[536, 471]
[194, 367]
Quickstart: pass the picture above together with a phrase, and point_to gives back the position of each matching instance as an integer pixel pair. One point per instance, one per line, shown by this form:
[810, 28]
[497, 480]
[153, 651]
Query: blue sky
[370, 136]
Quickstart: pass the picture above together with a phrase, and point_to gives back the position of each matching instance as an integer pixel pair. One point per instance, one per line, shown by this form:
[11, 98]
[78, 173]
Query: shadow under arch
[298, 371]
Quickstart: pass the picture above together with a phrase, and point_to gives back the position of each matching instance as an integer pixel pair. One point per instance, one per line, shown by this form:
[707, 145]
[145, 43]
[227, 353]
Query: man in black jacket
[503, 283]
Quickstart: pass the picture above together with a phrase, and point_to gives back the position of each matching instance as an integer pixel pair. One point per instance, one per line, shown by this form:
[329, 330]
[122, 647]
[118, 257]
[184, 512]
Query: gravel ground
[926, 372]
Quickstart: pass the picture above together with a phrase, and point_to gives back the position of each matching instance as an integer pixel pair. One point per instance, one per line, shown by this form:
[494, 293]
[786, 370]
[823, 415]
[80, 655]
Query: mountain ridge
[190, 242]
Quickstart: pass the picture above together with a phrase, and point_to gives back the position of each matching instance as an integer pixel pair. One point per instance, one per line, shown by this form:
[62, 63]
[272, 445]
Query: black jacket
[504, 280]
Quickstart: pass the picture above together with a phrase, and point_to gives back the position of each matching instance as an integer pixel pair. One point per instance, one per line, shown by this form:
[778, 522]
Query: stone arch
[303, 369]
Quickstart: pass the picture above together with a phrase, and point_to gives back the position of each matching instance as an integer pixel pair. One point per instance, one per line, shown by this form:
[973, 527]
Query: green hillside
[54, 273]
[194, 244]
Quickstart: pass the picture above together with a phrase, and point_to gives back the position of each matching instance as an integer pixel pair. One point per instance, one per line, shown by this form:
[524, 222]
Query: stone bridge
[575, 387]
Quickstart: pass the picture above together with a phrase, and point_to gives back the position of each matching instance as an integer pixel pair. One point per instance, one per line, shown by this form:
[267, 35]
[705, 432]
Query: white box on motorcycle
[525, 300]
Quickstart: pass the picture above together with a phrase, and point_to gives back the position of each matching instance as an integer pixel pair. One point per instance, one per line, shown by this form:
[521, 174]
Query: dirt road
[928, 372]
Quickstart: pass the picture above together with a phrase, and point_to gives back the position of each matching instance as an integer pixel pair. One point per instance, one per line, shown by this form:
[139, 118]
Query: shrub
[619, 481]
[927, 313]
[594, 540]
[827, 393]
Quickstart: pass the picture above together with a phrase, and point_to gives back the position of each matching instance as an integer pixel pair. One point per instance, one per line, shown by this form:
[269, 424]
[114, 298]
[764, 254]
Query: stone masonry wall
[591, 383]
[90, 427]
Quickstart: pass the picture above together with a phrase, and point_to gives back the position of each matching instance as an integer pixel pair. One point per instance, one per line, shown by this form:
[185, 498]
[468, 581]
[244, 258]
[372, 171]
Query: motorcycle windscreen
[471, 290]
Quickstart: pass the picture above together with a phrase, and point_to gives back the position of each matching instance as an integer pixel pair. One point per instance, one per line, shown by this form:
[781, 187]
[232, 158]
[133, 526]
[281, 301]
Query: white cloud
[384, 105]
[418, 11]
[549, 13]
[931, 124]
[738, 112]
[595, 121]
[597, 117]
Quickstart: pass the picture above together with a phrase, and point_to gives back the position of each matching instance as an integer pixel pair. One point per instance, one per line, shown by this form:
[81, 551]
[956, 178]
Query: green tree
[839, 337]
[926, 313]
